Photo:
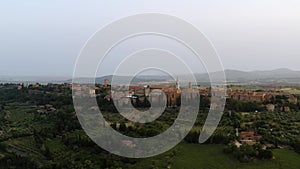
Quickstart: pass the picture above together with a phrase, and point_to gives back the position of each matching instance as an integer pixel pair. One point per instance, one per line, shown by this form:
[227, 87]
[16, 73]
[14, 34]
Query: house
[286, 109]
[249, 138]
[20, 87]
[270, 107]
[292, 99]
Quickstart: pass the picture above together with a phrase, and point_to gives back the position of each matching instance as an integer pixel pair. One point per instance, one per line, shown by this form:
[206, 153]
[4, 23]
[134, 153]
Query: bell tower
[177, 83]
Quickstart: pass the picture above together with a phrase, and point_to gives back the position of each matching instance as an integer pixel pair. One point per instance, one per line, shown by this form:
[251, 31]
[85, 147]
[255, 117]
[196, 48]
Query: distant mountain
[124, 79]
[268, 77]
[277, 76]
[274, 77]
[32, 79]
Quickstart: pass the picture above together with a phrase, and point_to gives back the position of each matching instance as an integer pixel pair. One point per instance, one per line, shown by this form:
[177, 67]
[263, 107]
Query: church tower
[177, 84]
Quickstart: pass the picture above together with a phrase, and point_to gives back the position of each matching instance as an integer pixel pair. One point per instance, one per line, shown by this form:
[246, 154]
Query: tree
[114, 125]
[266, 154]
[122, 127]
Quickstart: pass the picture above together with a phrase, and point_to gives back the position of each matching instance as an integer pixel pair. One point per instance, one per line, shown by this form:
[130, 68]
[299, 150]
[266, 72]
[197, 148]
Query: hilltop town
[270, 97]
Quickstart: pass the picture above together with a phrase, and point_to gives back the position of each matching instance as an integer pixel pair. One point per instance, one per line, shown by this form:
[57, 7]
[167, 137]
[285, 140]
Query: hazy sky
[42, 38]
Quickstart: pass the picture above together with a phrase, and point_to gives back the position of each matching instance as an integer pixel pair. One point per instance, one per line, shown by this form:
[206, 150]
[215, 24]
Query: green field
[291, 90]
[194, 156]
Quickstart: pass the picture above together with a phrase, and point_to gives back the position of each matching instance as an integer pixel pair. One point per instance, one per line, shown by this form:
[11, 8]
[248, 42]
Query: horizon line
[70, 76]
